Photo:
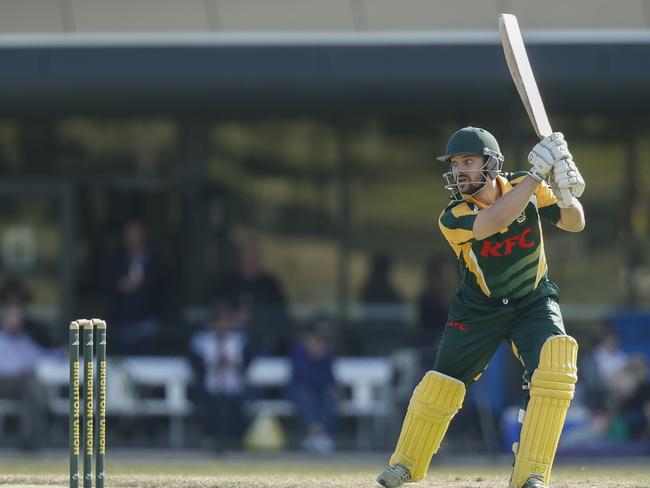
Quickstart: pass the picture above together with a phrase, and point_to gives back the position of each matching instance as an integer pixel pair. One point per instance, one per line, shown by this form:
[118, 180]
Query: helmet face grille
[490, 169]
[493, 162]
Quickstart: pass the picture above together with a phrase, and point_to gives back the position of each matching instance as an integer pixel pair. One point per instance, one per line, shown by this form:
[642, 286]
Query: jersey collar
[503, 183]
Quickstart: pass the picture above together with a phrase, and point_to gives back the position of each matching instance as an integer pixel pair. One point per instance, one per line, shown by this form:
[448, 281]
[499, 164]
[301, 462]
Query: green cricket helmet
[472, 140]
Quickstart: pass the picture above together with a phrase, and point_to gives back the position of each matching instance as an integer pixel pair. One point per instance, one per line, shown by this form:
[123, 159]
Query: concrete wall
[41, 16]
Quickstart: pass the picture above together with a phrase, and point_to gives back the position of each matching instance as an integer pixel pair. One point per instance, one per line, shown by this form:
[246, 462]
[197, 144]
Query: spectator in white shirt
[610, 359]
[608, 362]
[19, 354]
[219, 358]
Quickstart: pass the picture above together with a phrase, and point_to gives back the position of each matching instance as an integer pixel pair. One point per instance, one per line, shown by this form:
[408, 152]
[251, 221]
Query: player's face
[467, 170]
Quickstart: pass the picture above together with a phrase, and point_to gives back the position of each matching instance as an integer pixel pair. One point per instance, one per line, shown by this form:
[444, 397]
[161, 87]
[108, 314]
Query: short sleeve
[457, 224]
[547, 203]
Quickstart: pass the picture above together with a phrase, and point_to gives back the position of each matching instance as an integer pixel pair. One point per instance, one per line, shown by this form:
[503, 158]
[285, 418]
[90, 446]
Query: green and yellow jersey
[510, 263]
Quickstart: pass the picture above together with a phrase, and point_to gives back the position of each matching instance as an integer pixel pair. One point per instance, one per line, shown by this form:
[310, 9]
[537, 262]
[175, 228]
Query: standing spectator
[136, 291]
[312, 385]
[260, 297]
[382, 324]
[378, 288]
[439, 280]
[19, 355]
[219, 358]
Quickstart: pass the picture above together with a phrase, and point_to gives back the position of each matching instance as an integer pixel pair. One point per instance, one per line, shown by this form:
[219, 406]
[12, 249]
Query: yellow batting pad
[434, 403]
[551, 392]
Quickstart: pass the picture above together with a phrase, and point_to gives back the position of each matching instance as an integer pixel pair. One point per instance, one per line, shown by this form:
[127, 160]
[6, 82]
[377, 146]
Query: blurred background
[246, 190]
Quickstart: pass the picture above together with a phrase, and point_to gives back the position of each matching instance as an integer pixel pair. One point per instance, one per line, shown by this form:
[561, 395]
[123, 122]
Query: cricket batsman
[493, 224]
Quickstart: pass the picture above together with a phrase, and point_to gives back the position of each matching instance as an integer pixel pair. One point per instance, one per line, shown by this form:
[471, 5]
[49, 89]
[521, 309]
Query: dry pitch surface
[279, 472]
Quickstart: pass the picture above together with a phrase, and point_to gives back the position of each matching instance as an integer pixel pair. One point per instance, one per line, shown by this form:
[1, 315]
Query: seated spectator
[136, 292]
[19, 354]
[589, 390]
[623, 414]
[610, 360]
[13, 292]
[635, 407]
[312, 386]
[259, 295]
[218, 355]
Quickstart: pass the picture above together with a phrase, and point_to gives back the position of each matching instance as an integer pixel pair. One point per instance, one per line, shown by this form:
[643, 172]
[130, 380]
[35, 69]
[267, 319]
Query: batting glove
[567, 176]
[546, 153]
[560, 196]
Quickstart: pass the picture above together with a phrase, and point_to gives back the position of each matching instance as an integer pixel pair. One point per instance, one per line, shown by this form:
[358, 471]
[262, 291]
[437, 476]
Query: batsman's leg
[434, 403]
[551, 391]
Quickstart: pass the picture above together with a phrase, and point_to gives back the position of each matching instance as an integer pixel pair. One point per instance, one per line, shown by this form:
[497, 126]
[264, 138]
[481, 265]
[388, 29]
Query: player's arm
[567, 176]
[567, 216]
[505, 210]
[542, 157]
[572, 219]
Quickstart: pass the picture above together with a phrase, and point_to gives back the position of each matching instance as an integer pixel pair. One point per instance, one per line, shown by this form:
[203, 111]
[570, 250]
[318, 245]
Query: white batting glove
[560, 196]
[567, 176]
[547, 152]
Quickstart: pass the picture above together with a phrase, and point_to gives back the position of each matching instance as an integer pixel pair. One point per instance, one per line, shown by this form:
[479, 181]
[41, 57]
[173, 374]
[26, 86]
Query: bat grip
[565, 195]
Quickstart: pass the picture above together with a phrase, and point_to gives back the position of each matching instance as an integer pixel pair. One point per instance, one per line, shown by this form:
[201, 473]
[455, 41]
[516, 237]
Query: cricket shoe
[394, 475]
[533, 482]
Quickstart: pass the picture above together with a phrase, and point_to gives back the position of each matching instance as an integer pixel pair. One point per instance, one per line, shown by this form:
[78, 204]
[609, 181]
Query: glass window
[9, 145]
[281, 179]
[98, 145]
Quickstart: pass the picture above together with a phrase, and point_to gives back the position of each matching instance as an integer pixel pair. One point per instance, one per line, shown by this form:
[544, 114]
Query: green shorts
[477, 325]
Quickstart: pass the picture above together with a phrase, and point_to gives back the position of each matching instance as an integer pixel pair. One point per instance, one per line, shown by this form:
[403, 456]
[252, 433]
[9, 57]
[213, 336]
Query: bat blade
[522, 74]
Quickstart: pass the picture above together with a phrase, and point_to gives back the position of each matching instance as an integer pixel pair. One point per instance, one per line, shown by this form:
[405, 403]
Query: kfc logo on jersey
[454, 324]
[506, 246]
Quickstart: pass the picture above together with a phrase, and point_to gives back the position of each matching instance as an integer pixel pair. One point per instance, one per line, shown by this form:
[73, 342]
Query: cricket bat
[522, 75]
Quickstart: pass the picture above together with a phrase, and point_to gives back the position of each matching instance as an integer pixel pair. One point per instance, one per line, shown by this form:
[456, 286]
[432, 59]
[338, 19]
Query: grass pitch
[343, 471]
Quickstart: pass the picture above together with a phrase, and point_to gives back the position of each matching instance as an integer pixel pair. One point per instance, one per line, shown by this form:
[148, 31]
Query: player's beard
[471, 187]
[474, 188]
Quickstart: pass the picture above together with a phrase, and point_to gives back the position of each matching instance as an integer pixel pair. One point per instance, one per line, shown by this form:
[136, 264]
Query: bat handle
[565, 195]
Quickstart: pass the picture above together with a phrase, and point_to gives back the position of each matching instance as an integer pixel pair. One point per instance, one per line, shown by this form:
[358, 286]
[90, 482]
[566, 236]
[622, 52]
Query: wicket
[94, 402]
